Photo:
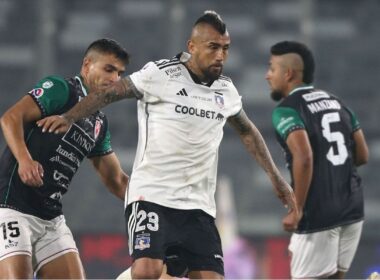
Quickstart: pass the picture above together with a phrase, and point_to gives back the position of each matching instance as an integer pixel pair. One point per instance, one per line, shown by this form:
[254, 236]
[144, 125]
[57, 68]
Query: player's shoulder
[225, 82]
[167, 63]
[224, 78]
[53, 82]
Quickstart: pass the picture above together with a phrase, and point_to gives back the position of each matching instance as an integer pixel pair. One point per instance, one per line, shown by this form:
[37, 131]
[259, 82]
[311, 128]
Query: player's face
[276, 77]
[102, 70]
[210, 52]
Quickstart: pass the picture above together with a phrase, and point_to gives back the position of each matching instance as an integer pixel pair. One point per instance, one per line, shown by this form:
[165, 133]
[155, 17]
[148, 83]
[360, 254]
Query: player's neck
[195, 71]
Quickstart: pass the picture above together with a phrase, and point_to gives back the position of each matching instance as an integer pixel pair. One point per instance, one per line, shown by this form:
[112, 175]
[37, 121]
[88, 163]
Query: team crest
[97, 129]
[37, 92]
[142, 242]
[219, 100]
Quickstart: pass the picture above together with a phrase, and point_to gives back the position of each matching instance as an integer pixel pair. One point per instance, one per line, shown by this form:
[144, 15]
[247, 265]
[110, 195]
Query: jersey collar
[301, 88]
[79, 79]
[183, 58]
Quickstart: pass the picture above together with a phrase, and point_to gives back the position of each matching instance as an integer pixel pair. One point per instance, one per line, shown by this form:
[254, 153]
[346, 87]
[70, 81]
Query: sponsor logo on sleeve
[219, 100]
[98, 126]
[37, 92]
[47, 84]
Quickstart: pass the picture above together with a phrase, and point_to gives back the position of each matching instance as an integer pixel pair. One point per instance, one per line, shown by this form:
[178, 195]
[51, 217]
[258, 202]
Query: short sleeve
[150, 82]
[354, 120]
[237, 104]
[102, 148]
[285, 120]
[51, 94]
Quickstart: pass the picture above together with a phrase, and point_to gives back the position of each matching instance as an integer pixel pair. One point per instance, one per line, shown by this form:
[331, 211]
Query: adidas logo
[182, 92]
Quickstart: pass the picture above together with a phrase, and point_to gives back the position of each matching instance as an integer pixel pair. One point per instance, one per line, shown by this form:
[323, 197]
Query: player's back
[335, 195]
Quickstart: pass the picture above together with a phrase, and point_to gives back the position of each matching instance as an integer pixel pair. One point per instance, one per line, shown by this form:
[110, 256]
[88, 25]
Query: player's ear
[86, 64]
[190, 46]
[290, 74]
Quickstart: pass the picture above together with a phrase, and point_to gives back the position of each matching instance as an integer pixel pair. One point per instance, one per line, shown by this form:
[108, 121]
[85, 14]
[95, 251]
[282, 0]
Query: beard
[212, 75]
[276, 95]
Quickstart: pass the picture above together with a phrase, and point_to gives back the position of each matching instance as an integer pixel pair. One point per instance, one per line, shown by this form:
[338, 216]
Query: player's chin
[215, 72]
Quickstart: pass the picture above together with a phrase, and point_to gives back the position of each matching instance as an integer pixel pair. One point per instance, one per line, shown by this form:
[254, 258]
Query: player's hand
[54, 124]
[291, 220]
[31, 173]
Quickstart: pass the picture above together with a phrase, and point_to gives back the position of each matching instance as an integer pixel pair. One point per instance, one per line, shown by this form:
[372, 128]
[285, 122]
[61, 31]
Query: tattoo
[241, 123]
[94, 101]
[130, 88]
[255, 144]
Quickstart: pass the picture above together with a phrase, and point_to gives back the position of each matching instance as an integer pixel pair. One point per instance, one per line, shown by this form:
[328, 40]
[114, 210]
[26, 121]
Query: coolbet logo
[37, 92]
[185, 110]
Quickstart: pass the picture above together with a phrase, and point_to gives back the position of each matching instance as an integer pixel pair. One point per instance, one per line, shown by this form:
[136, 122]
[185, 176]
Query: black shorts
[183, 239]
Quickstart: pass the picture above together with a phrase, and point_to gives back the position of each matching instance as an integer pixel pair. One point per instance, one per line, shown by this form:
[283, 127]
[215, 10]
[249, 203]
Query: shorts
[43, 240]
[184, 239]
[322, 254]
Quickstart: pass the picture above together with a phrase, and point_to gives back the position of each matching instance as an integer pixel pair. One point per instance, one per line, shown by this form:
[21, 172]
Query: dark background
[43, 37]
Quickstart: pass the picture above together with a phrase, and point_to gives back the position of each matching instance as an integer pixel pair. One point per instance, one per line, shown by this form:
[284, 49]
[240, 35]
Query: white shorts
[322, 254]
[23, 234]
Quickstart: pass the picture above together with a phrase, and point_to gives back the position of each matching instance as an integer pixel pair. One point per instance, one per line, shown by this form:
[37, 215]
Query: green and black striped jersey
[335, 196]
[60, 155]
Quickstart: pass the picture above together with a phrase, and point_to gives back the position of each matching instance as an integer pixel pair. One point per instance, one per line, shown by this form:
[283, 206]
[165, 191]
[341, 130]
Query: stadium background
[44, 37]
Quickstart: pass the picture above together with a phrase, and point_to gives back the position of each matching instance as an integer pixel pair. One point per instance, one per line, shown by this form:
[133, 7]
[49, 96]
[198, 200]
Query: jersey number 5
[331, 137]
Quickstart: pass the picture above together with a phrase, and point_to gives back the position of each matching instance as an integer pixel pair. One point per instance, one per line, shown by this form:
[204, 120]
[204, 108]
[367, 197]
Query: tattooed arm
[255, 144]
[119, 90]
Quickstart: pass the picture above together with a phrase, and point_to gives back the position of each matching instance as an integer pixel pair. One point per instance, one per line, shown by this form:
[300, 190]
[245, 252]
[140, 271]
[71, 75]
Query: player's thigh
[202, 249]
[17, 233]
[314, 255]
[57, 245]
[16, 267]
[147, 268]
[67, 266]
[148, 234]
[205, 275]
[349, 241]
[147, 230]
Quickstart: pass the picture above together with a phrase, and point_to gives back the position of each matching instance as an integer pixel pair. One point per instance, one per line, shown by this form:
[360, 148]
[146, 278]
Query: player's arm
[361, 153]
[12, 124]
[255, 144]
[124, 88]
[302, 164]
[112, 175]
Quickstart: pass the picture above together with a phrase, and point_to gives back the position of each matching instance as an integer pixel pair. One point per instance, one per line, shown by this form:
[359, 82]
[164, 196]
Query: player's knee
[148, 272]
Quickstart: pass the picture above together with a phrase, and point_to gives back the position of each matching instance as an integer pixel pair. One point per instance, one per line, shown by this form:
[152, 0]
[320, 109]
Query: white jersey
[180, 130]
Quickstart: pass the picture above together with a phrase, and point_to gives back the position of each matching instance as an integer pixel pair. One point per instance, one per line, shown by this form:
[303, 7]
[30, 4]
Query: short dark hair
[303, 51]
[212, 18]
[109, 46]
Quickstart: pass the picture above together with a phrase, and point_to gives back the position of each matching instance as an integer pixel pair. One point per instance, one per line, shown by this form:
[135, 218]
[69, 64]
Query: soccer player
[324, 144]
[36, 168]
[184, 103]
